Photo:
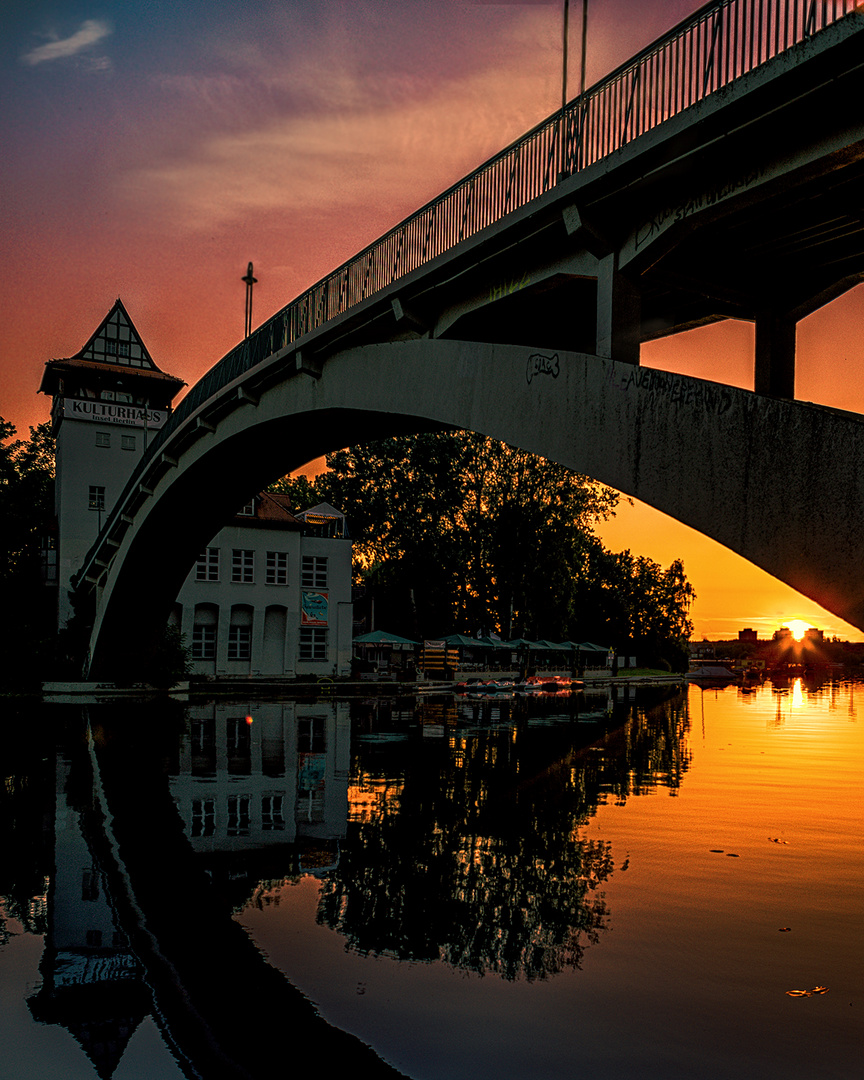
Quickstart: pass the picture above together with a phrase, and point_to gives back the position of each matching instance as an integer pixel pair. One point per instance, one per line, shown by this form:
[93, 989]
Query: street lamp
[250, 281]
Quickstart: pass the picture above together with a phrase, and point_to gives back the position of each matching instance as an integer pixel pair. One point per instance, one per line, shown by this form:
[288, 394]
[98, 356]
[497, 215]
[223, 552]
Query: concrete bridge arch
[732, 464]
[743, 202]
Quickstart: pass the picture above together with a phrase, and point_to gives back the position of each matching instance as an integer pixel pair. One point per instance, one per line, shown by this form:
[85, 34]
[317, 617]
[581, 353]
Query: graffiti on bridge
[538, 364]
[674, 389]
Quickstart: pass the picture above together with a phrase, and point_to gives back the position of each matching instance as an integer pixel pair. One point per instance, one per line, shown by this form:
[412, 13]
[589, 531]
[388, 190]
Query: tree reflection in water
[467, 849]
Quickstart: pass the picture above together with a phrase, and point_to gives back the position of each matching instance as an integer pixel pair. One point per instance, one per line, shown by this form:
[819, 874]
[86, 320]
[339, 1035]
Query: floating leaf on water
[798, 993]
[717, 850]
[732, 855]
[785, 929]
[819, 990]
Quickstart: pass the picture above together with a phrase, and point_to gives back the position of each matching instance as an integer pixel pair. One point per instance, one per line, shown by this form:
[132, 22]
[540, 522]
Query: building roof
[114, 349]
[272, 510]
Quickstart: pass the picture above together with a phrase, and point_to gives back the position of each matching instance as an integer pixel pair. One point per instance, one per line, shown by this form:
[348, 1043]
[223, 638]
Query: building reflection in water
[447, 832]
[263, 789]
[92, 983]
[259, 800]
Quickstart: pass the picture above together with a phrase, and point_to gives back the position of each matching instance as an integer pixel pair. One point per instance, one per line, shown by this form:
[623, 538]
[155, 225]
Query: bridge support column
[775, 355]
[619, 314]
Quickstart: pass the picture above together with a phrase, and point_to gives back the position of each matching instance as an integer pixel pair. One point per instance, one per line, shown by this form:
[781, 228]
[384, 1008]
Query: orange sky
[153, 150]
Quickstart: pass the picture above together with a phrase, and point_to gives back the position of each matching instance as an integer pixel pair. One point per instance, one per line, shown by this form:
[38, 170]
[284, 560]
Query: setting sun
[798, 628]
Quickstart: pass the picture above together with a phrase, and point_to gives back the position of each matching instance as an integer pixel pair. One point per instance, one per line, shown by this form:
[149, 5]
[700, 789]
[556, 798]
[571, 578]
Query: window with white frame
[239, 642]
[248, 510]
[313, 643]
[311, 734]
[238, 736]
[238, 815]
[277, 568]
[96, 500]
[272, 818]
[243, 565]
[103, 438]
[313, 572]
[203, 642]
[203, 817]
[207, 567]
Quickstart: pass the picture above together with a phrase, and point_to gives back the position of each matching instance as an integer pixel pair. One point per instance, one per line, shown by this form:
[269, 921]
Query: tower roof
[115, 351]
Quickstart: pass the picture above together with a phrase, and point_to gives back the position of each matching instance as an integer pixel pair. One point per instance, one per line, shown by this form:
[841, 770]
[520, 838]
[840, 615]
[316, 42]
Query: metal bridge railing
[717, 44]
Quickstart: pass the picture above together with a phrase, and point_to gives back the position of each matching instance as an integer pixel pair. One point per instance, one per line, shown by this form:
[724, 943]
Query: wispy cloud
[87, 34]
[349, 160]
[372, 137]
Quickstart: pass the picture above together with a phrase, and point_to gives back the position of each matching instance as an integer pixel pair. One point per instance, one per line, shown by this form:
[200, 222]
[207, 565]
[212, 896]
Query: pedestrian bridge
[718, 174]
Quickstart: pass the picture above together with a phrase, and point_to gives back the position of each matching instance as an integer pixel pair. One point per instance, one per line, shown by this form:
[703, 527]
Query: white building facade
[270, 596]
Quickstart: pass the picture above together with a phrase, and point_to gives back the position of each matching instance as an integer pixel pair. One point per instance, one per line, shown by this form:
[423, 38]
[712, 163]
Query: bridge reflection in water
[438, 832]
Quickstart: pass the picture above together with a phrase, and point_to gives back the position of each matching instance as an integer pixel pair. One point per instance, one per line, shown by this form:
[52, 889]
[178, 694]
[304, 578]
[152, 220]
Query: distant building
[783, 634]
[747, 635]
[270, 595]
[814, 635]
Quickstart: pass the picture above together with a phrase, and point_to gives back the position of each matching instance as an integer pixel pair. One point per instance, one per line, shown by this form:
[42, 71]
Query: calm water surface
[625, 885]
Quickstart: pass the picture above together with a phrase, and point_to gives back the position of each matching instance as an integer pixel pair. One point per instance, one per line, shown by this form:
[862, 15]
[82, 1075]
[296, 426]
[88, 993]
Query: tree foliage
[26, 521]
[26, 496]
[458, 532]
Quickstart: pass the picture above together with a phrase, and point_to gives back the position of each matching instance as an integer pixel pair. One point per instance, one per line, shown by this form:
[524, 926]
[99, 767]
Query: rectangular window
[203, 817]
[90, 885]
[248, 510]
[203, 642]
[239, 642]
[272, 819]
[97, 498]
[313, 643]
[311, 734]
[123, 348]
[243, 565]
[239, 738]
[238, 815]
[277, 568]
[127, 442]
[103, 438]
[313, 573]
[207, 567]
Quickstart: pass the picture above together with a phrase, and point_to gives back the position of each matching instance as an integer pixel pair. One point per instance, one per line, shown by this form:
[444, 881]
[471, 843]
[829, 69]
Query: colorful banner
[311, 773]
[313, 608]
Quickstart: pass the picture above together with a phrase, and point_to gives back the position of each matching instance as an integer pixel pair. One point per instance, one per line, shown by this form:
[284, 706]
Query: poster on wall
[313, 609]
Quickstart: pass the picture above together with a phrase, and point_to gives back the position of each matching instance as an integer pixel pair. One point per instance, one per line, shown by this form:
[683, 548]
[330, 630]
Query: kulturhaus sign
[114, 412]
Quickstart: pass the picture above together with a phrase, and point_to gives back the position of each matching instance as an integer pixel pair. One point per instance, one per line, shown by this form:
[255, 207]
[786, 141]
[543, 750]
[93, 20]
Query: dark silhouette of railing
[717, 44]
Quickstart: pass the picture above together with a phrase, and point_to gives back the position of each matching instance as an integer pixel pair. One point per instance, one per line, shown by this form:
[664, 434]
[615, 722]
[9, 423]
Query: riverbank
[85, 693]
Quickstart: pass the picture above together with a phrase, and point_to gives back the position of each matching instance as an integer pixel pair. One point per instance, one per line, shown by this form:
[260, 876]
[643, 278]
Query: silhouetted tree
[26, 522]
[456, 531]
